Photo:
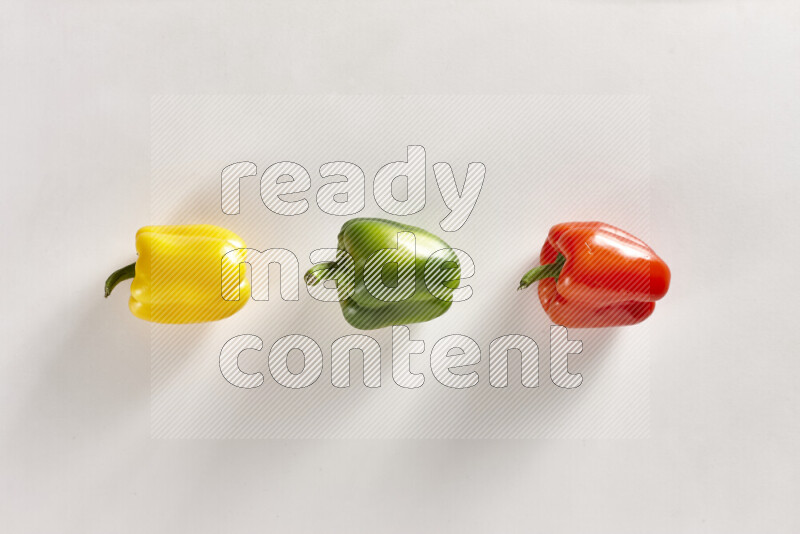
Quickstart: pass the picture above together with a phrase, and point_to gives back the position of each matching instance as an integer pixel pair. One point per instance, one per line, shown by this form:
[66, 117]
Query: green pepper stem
[126, 273]
[549, 270]
[314, 275]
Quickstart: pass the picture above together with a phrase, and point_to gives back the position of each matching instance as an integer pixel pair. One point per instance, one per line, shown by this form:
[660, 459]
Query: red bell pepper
[593, 274]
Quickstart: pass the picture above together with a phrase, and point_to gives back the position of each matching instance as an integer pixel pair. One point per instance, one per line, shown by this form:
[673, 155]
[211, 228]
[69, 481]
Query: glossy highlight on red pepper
[593, 274]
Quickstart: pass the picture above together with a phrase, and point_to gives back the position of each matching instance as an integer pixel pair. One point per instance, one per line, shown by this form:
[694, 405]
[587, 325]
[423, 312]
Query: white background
[723, 78]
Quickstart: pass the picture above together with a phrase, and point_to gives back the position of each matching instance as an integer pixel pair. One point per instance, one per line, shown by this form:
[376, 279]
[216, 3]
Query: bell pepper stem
[126, 273]
[549, 270]
[314, 275]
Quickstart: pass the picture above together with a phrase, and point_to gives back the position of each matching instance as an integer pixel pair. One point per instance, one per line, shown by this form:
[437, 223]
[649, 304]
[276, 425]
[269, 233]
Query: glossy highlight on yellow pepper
[182, 273]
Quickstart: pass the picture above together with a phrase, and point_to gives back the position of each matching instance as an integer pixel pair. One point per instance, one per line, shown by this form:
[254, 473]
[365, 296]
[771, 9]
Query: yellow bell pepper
[184, 276]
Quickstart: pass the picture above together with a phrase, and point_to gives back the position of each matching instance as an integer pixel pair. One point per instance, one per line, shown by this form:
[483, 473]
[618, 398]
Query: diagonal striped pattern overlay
[492, 366]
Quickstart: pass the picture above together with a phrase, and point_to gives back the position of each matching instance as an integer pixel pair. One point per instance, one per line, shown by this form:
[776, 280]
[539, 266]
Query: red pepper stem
[549, 270]
[126, 273]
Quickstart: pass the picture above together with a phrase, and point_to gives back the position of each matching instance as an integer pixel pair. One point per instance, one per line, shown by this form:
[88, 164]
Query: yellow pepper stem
[126, 273]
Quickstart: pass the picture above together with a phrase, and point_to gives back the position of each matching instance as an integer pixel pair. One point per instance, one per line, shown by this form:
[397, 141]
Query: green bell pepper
[388, 283]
